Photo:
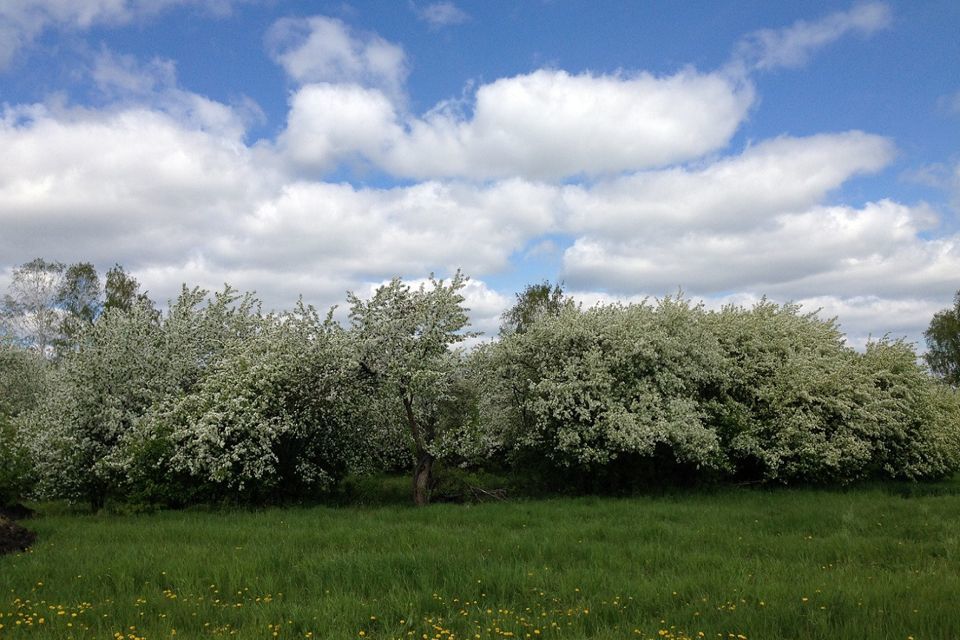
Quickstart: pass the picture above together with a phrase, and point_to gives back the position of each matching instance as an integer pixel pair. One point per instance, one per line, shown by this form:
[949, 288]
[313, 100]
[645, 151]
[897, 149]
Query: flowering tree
[271, 417]
[589, 389]
[96, 394]
[125, 364]
[22, 382]
[403, 339]
[766, 394]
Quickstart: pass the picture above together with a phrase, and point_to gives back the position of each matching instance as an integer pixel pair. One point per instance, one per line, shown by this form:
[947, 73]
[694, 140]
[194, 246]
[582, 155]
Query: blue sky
[806, 151]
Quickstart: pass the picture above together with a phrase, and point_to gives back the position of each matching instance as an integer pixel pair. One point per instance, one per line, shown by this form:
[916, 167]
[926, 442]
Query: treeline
[215, 400]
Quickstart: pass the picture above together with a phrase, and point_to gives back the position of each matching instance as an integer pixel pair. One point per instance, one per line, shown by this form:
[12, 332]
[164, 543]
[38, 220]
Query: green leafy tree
[943, 343]
[403, 340]
[122, 291]
[79, 299]
[537, 301]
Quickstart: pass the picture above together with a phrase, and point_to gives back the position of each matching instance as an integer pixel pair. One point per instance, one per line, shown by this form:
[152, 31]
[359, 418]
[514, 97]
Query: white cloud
[876, 250]
[779, 175]
[153, 85]
[330, 123]
[322, 49]
[404, 230]
[163, 181]
[863, 318]
[178, 203]
[792, 46]
[134, 185]
[22, 21]
[441, 14]
[544, 125]
[174, 204]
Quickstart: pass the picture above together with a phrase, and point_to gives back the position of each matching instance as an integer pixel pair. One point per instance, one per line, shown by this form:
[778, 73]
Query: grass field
[864, 563]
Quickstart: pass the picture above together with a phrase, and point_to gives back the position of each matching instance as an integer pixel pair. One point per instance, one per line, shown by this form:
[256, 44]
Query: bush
[17, 477]
[586, 388]
[22, 382]
[789, 410]
[619, 398]
[271, 419]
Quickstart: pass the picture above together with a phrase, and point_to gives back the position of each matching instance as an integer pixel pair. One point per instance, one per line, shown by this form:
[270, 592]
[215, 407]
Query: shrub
[22, 382]
[585, 388]
[272, 418]
[616, 398]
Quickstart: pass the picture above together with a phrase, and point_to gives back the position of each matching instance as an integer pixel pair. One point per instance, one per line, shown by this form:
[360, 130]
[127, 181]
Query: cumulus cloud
[792, 46]
[543, 125]
[864, 318]
[329, 124]
[736, 192]
[137, 177]
[183, 204]
[441, 14]
[22, 21]
[877, 249]
[322, 49]
[404, 230]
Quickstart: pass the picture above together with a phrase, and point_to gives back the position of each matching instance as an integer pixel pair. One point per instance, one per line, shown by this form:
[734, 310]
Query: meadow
[733, 563]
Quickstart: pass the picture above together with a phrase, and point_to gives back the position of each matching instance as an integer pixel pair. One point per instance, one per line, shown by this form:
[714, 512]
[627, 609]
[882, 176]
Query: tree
[271, 418]
[96, 394]
[610, 390]
[121, 290]
[943, 343]
[127, 364]
[403, 343]
[535, 302]
[79, 301]
[22, 376]
[29, 311]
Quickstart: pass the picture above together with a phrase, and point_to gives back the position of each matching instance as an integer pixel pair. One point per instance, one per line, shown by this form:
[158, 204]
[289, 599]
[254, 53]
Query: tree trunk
[422, 478]
[97, 500]
[423, 473]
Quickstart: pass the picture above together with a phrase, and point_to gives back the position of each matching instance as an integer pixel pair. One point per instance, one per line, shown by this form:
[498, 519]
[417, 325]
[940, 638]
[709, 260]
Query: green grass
[805, 564]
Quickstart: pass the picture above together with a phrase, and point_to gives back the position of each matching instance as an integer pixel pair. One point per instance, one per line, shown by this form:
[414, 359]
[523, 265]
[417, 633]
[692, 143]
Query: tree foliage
[29, 310]
[215, 400]
[22, 383]
[943, 343]
[49, 304]
[403, 339]
[536, 301]
[79, 302]
[765, 394]
[273, 414]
